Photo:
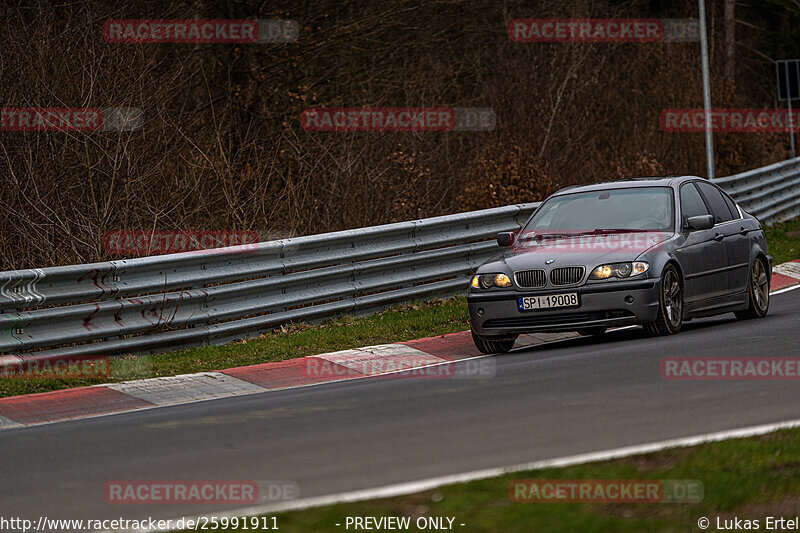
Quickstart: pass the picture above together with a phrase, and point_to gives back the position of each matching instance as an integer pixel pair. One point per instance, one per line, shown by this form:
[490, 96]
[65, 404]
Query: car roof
[653, 181]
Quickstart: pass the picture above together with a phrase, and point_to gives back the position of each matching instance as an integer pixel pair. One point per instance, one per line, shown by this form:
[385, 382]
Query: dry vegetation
[222, 146]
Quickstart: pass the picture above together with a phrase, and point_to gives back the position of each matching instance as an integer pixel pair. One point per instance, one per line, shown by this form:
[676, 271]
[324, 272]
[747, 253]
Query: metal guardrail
[160, 303]
[770, 193]
[165, 302]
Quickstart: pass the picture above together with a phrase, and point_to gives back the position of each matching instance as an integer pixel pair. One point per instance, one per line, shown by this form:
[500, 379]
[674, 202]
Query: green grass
[783, 241]
[401, 323]
[751, 478]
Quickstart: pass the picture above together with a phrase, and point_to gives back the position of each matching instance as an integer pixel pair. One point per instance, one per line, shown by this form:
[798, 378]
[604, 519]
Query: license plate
[548, 301]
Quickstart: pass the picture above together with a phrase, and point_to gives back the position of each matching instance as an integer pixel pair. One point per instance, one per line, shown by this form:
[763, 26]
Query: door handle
[744, 231]
[718, 237]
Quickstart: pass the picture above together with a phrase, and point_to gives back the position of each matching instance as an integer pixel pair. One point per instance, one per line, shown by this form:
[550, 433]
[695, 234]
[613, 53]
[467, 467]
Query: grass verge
[750, 478]
[400, 323]
[784, 241]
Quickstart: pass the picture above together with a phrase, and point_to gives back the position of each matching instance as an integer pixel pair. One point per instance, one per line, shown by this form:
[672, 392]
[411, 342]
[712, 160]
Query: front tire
[670, 305]
[758, 292]
[490, 345]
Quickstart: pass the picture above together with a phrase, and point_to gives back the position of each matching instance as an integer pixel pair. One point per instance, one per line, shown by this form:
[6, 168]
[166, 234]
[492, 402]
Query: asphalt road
[549, 401]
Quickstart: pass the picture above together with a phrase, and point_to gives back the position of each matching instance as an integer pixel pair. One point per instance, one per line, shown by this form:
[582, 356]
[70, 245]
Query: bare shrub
[222, 147]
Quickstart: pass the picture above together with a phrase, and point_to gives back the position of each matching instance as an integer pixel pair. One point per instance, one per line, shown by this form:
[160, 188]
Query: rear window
[731, 205]
[719, 208]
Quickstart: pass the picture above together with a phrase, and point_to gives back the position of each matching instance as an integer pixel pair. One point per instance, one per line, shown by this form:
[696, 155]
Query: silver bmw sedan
[649, 251]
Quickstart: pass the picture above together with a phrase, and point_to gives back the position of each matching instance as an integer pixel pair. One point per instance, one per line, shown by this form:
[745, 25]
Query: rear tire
[490, 345]
[758, 292]
[670, 305]
[592, 332]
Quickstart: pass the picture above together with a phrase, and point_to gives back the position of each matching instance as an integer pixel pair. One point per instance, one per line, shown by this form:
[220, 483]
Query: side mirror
[700, 222]
[505, 239]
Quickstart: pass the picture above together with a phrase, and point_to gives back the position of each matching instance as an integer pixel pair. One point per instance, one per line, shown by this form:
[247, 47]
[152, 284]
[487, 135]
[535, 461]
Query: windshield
[634, 209]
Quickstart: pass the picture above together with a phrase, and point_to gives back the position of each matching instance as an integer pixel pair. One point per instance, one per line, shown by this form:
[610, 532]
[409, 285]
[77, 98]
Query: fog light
[629, 299]
[480, 311]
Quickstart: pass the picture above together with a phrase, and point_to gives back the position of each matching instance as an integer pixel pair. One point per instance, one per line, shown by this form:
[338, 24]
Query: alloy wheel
[673, 303]
[760, 283]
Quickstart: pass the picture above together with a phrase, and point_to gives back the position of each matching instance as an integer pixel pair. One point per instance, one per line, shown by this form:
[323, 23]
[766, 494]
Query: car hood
[589, 251]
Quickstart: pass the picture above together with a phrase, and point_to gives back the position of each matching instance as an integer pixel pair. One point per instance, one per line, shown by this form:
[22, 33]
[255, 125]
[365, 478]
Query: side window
[717, 203]
[731, 205]
[692, 204]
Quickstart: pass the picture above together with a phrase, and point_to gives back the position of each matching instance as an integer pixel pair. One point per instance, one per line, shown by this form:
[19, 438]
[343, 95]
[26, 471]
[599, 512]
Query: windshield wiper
[598, 231]
[561, 235]
[552, 235]
[622, 230]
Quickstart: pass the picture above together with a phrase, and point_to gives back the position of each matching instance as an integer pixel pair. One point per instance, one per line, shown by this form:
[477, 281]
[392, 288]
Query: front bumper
[601, 304]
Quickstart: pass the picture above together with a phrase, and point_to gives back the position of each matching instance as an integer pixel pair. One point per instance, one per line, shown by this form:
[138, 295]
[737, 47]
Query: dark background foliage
[222, 146]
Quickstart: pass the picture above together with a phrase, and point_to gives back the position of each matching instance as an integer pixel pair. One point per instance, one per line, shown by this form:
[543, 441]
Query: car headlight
[639, 267]
[487, 281]
[619, 270]
[602, 272]
[501, 280]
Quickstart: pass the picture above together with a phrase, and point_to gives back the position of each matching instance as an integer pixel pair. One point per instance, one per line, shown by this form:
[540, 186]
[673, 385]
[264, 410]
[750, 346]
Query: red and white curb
[7, 423]
[383, 359]
[786, 275]
[185, 388]
[98, 400]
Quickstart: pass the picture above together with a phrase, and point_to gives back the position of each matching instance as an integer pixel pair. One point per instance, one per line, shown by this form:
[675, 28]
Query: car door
[729, 225]
[737, 245]
[702, 254]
